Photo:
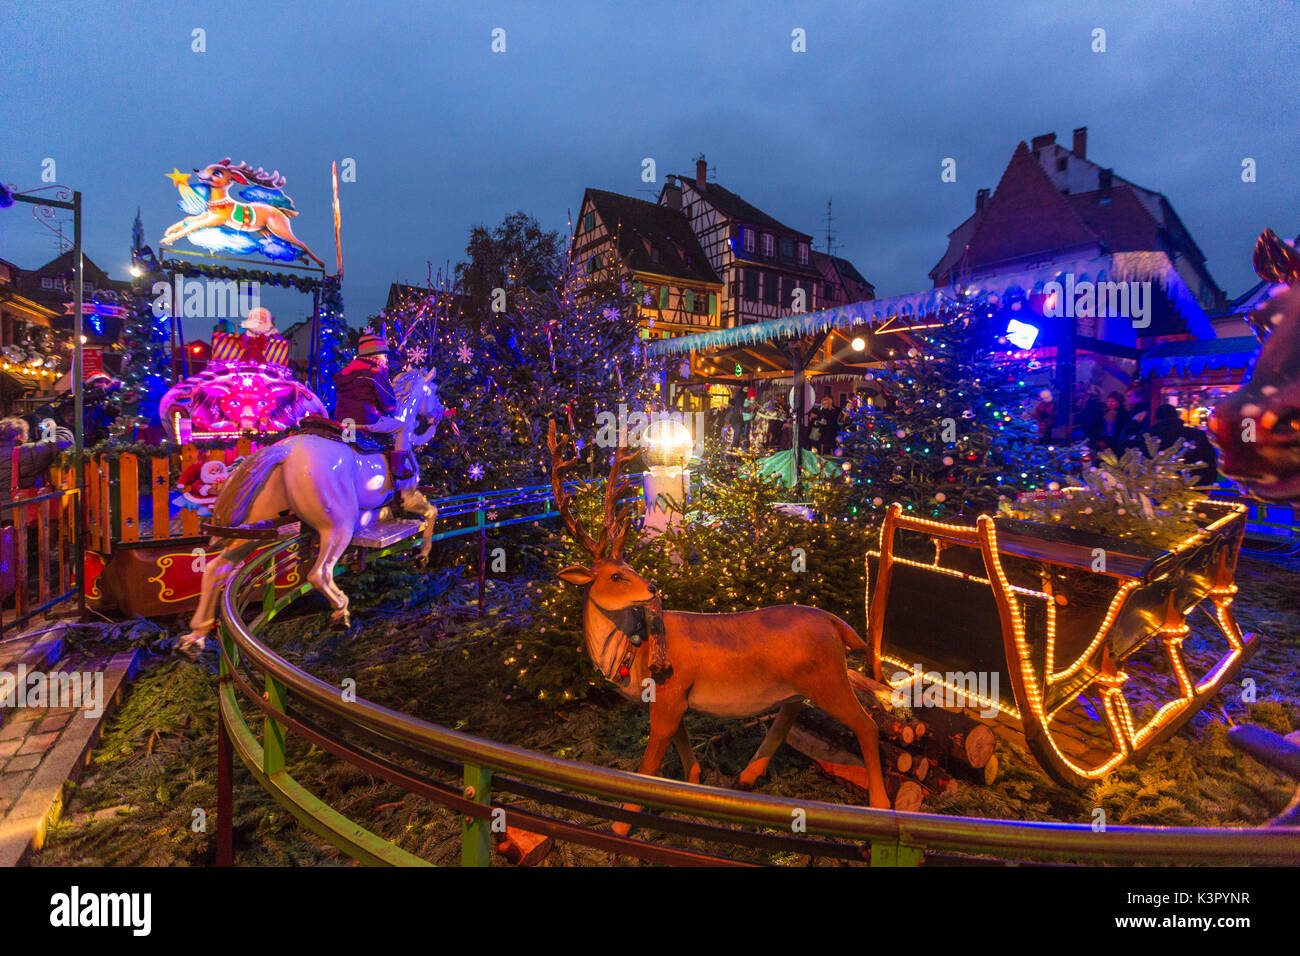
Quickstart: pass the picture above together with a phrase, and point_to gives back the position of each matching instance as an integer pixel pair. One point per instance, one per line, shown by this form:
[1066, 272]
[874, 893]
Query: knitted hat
[371, 344]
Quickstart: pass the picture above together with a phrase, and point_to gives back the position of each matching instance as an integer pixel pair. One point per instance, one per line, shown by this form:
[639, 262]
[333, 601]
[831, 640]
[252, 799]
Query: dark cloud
[447, 134]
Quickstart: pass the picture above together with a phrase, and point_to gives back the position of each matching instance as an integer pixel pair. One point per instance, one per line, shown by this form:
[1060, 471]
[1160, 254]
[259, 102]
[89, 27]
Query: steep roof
[845, 271]
[733, 207]
[1124, 224]
[640, 226]
[1025, 215]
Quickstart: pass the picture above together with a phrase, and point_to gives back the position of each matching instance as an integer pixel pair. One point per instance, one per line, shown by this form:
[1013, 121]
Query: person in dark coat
[364, 394]
[1111, 428]
[363, 391]
[34, 458]
[1200, 456]
[825, 422]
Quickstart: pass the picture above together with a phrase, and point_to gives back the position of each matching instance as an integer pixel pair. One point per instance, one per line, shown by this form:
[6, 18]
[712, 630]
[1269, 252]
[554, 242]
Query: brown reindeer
[222, 210]
[727, 665]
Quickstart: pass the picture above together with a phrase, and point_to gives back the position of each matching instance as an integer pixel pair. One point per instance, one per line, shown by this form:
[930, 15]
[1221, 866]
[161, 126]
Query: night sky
[446, 134]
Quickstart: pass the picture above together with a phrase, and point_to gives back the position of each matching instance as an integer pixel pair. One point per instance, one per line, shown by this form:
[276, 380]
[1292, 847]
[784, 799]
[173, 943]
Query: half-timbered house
[766, 266]
[650, 250]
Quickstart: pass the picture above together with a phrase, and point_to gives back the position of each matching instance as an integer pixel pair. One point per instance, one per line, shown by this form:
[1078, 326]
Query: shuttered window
[663, 297]
[713, 303]
[690, 300]
[589, 222]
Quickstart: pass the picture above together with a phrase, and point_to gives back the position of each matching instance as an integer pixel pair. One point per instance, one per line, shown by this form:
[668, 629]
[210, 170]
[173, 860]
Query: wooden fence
[37, 546]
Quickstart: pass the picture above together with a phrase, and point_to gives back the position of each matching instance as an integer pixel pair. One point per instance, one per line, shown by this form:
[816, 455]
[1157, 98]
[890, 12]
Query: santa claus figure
[200, 483]
[259, 326]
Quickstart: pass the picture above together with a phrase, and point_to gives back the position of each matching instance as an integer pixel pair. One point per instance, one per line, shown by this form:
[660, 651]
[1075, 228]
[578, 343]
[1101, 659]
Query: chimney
[1047, 139]
[672, 193]
[1081, 142]
[981, 200]
[701, 169]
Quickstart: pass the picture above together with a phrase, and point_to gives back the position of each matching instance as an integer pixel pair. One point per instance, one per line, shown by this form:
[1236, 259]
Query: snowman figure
[259, 326]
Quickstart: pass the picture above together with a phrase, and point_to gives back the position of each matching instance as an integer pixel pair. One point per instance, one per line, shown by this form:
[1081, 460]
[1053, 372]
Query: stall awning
[1202, 355]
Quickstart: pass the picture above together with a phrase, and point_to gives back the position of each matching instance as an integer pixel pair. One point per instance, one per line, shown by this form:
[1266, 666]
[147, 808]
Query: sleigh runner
[1021, 619]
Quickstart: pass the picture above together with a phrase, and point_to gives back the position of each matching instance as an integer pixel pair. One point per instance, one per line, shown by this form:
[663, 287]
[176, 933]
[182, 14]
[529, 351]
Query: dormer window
[769, 245]
[654, 254]
[747, 239]
[803, 253]
[787, 250]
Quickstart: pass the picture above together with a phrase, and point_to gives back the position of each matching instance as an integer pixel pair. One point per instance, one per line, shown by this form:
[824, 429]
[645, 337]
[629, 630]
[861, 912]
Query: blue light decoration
[333, 339]
[1021, 334]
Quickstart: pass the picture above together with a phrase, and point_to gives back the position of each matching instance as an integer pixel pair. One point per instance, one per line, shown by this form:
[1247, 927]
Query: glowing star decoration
[476, 471]
[256, 222]
[465, 353]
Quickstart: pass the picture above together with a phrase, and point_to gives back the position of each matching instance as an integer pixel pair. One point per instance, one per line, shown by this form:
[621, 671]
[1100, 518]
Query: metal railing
[424, 759]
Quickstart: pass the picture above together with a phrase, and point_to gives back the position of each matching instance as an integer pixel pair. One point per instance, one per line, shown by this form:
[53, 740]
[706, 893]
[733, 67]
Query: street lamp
[667, 446]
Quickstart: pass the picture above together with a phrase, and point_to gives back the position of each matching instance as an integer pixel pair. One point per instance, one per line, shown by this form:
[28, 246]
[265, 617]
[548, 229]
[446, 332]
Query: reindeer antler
[563, 500]
[617, 520]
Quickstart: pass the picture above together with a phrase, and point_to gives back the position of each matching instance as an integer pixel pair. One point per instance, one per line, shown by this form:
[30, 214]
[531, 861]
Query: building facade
[649, 250]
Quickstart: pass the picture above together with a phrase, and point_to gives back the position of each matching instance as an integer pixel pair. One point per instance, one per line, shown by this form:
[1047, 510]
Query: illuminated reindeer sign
[260, 222]
[727, 665]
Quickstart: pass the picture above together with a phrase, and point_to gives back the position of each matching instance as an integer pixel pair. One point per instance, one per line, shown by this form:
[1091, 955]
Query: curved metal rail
[423, 758]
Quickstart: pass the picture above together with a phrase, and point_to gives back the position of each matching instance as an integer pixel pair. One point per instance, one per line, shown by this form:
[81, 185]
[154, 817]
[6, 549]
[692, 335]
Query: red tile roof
[1025, 215]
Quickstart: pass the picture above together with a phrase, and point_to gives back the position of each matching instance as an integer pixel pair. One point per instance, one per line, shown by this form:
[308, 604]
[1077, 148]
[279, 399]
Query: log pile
[920, 753]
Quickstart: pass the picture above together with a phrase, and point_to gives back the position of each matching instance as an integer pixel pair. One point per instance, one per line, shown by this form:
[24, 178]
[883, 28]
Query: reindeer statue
[727, 665]
[220, 211]
[1257, 427]
[327, 482]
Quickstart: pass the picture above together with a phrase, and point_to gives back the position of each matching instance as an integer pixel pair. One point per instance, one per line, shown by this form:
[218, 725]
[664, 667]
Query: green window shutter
[663, 297]
[690, 300]
[713, 303]
[589, 222]
[636, 288]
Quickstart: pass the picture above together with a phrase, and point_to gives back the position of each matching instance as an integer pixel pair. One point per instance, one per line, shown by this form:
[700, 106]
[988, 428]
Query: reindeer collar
[631, 628]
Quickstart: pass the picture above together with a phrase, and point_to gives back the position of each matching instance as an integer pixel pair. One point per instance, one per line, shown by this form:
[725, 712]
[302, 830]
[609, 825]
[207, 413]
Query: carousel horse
[1257, 428]
[332, 485]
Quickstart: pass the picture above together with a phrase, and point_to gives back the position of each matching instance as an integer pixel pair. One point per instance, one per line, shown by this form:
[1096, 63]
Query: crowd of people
[765, 426]
[1120, 421]
[1124, 420]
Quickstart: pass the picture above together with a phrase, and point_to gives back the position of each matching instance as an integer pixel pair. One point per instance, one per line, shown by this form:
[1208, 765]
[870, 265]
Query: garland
[263, 276]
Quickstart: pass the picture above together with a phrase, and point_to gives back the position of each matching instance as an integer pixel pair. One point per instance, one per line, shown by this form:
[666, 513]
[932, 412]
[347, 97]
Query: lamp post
[667, 444]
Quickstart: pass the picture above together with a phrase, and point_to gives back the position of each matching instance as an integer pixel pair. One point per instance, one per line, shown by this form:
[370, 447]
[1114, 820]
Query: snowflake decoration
[611, 314]
[465, 353]
[415, 354]
[492, 516]
[476, 471]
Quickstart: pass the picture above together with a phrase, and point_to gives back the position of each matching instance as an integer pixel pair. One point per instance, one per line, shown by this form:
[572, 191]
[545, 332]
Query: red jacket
[363, 393]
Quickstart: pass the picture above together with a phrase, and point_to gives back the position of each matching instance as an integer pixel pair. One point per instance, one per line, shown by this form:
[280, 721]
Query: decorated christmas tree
[951, 437]
[565, 346]
[146, 363]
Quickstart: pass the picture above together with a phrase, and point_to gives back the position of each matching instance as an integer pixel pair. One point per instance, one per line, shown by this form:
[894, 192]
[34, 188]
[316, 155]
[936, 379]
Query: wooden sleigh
[1051, 628]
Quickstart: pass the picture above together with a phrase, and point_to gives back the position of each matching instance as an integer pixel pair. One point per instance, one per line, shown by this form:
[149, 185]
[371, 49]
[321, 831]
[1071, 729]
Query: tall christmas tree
[146, 344]
[566, 346]
[952, 437]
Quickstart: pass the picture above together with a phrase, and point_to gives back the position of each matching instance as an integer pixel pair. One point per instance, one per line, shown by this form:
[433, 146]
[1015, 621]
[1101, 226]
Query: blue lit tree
[952, 437]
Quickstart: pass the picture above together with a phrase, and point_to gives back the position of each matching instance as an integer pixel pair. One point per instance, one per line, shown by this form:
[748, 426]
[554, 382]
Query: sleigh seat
[1040, 626]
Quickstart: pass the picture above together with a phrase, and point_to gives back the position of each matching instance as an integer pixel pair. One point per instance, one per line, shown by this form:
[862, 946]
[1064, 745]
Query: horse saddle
[363, 442]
